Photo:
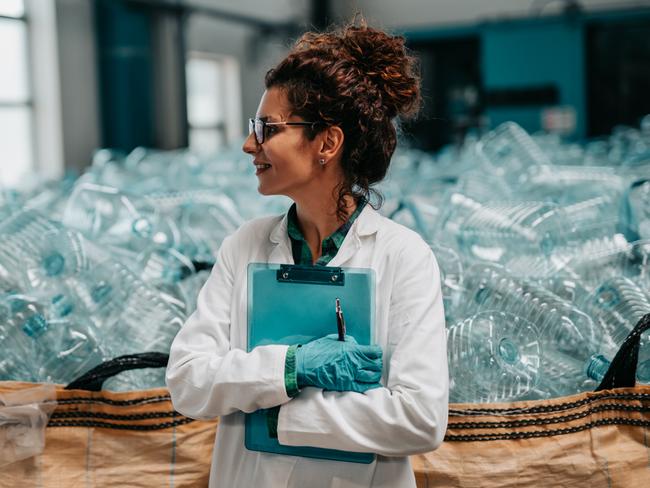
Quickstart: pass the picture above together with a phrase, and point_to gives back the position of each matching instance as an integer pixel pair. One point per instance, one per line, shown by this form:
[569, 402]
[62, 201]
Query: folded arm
[206, 378]
[409, 414]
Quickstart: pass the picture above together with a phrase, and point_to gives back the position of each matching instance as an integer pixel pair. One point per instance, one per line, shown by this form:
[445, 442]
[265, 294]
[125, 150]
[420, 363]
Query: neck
[316, 207]
[318, 218]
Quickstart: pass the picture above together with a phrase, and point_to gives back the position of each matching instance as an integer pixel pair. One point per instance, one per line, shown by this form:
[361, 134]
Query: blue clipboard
[290, 304]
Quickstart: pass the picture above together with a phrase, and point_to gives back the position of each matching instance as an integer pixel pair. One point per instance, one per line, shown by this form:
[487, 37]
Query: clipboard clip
[321, 275]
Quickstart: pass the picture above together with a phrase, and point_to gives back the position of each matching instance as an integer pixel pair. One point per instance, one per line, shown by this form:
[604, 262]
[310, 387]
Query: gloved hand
[331, 364]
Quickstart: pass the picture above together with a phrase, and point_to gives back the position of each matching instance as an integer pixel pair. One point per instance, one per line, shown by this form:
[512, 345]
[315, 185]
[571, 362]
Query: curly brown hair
[359, 79]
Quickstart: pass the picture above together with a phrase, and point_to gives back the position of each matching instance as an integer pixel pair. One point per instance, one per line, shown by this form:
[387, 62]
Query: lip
[259, 171]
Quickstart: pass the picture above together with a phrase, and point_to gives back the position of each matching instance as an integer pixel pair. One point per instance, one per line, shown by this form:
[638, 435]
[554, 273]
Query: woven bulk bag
[597, 439]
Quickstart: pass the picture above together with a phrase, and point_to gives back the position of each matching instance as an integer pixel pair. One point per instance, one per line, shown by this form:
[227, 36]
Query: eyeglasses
[258, 127]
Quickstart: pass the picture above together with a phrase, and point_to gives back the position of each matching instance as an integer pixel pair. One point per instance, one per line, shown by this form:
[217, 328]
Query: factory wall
[530, 54]
[254, 53]
[436, 13]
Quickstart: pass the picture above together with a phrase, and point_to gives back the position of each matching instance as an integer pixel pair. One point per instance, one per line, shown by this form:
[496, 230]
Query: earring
[321, 162]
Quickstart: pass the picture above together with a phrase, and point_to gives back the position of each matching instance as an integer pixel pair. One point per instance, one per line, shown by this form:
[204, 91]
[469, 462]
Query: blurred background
[527, 172]
[167, 74]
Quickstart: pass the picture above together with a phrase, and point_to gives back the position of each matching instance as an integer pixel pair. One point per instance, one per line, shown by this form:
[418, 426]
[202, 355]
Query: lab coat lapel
[281, 246]
[350, 246]
[367, 223]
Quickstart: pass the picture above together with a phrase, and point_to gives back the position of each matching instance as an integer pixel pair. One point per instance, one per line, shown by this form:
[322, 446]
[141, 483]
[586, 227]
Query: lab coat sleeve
[205, 376]
[409, 414]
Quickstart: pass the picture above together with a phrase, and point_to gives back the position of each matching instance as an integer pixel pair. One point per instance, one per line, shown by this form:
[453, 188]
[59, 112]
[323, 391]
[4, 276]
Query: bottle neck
[596, 367]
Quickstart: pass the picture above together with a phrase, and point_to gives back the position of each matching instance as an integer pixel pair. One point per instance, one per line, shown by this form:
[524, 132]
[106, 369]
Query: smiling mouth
[261, 168]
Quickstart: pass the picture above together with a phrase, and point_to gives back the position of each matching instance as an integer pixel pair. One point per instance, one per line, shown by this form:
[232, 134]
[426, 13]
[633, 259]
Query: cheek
[290, 160]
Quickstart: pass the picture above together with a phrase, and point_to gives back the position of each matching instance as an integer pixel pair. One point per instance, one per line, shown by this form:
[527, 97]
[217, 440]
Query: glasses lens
[259, 130]
[256, 126]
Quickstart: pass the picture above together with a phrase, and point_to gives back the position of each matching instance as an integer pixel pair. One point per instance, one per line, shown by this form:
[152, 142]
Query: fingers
[368, 376]
[361, 362]
[371, 352]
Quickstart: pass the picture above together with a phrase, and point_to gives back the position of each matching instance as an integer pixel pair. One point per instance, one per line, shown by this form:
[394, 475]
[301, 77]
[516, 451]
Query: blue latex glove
[331, 364]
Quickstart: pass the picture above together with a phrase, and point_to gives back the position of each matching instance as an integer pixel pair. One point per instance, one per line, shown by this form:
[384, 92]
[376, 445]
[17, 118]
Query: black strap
[622, 370]
[94, 379]
[202, 265]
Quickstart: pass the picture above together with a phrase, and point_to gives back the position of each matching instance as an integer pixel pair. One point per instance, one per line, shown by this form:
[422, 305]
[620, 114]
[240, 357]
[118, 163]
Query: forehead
[274, 104]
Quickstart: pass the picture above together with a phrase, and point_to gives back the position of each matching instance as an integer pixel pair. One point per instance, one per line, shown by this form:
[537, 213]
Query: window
[16, 147]
[213, 101]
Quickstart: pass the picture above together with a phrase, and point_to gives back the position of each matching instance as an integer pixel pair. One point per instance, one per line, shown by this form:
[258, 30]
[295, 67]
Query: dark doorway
[618, 75]
[451, 90]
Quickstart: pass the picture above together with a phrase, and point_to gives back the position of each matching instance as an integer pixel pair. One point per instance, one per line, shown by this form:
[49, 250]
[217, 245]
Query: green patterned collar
[329, 246]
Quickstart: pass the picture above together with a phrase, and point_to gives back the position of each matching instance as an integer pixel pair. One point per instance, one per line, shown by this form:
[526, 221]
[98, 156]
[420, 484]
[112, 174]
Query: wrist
[300, 366]
[290, 372]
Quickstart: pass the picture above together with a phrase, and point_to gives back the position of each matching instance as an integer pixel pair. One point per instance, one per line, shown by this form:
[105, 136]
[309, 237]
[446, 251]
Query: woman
[322, 135]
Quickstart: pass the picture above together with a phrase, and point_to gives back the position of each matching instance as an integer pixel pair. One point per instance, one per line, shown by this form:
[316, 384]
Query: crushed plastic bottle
[42, 346]
[491, 232]
[109, 216]
[493, 356]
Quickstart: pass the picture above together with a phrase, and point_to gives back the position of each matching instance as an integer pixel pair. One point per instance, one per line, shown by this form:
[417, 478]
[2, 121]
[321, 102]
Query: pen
[340, 321]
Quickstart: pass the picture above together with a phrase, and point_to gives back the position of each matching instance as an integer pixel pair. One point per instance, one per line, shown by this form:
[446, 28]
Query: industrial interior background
[166, 74]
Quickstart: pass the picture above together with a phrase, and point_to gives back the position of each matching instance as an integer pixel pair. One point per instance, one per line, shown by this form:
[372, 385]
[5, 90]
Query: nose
[250, 144]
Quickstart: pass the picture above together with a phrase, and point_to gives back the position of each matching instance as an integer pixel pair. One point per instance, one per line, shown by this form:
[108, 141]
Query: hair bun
[385, 61]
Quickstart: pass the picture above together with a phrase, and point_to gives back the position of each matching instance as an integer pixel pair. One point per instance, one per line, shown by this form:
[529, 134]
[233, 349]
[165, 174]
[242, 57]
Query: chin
[262, 190]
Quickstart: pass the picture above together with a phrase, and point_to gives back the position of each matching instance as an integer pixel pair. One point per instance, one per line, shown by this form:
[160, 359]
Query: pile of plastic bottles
[543, 245]
[111, 263]
[544, 249]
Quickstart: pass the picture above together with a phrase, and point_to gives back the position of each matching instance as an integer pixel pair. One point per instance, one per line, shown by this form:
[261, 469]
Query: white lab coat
[210, 374]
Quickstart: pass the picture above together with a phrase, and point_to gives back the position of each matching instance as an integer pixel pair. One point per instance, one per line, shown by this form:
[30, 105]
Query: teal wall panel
[125, 74]
[532, 53]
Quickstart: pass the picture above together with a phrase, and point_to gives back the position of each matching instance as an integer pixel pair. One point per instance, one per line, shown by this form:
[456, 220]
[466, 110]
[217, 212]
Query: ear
[331, 143]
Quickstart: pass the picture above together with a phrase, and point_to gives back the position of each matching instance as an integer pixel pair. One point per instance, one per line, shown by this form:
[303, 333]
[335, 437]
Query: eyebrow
[267, 118]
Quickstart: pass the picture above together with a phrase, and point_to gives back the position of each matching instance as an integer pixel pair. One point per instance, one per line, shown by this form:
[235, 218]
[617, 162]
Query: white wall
[78, 81]
[267, 10]
[424, 13]
[44, 60]
[256, 55]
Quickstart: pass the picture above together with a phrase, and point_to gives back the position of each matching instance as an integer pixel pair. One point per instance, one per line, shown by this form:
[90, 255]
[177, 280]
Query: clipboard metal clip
[321, 275]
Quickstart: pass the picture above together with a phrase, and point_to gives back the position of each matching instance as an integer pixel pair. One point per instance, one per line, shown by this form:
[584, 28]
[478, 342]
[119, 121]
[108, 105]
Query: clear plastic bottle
[495, 230]
[617, 305]
[569, 184]
[482, 186]
[203, 227]
[190, 288]
[43, 346]
[508, 150]
[567, 335]
[493, 287]
[493, 356]
[166, 266]
[132, 317]
[568, 259]
[635, 211]
[565, 287]
[418, 214]
[109, 216]
[451, 277]
[597, 263]
[39, 251]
